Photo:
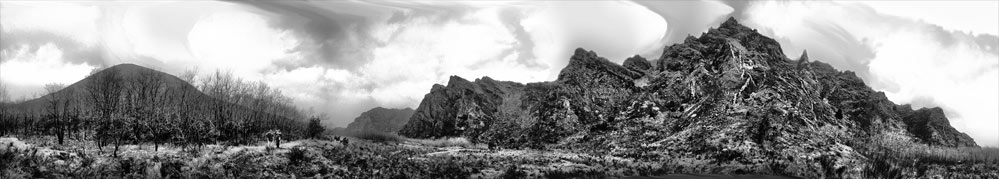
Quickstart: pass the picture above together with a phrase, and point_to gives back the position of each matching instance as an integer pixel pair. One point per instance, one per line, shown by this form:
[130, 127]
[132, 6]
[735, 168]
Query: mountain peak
[126, 67]
[637, 63]
[585, 66]
[731, 22]
[804, 56]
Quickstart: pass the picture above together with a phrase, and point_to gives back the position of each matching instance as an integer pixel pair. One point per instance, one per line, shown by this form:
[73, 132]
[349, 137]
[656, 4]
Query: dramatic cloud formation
[344, 57]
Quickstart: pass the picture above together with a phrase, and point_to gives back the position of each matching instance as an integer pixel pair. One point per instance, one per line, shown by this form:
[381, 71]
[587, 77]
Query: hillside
[381, 120]
[729, 97]
[127, 74]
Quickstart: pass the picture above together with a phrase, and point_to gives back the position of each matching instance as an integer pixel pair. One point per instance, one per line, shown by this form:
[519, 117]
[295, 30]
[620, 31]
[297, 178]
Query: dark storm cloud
[338, 34]
[332, 39]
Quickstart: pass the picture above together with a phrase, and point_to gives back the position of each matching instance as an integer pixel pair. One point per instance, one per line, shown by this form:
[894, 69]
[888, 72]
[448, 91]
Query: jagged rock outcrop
[381, 120]
[728, 96]
[637, 63]
[461, 107]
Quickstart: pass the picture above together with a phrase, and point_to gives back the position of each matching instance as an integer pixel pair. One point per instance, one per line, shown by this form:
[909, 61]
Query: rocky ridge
[728, 97]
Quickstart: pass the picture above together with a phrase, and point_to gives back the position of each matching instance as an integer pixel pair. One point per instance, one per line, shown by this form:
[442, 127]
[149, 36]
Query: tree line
[114, 107]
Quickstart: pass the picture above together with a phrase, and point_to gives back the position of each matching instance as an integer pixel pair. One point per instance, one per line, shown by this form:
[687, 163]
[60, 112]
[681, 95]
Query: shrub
[315, 128]
[513, 171]
[172, 169]
[297, 155]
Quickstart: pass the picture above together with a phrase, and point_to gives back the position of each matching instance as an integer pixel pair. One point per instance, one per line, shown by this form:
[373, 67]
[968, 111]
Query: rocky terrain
[729, 98]
[381, 120]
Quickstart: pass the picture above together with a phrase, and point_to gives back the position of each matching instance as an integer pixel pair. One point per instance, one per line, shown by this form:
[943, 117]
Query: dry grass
[449, 142]
[383, 137]
[903, 147]
[376, 136]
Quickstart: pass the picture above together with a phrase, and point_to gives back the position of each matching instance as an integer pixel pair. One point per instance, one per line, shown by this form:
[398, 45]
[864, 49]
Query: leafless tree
[105, 94]
[60, 104]
[6, 118]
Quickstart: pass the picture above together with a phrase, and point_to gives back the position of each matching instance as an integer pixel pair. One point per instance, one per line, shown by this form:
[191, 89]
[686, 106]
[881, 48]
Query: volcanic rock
[730, 95]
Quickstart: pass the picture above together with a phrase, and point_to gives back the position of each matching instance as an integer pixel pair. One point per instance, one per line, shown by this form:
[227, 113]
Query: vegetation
[315, 128]
[895, 155]
[132, 105]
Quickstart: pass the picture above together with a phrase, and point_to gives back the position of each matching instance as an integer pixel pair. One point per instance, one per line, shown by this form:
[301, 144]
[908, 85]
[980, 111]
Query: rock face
[461, 107]
[638, 63]
[931, 126]
[381, 120]
[730, 95]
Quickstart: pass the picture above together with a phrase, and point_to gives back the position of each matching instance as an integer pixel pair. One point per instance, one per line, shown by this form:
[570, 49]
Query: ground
[357, 158]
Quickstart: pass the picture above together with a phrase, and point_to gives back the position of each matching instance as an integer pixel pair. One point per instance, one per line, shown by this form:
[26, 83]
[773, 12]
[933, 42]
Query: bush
[512, 172]
[315, 128]
[172, 169]
[297, 155]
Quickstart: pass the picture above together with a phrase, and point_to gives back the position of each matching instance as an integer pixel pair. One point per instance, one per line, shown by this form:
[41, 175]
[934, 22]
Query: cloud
[390, 54]
[688, 17]
[27, 69]
[71, 50]
[241, 42]
[63, 19]
[334, 34]
[964, 16]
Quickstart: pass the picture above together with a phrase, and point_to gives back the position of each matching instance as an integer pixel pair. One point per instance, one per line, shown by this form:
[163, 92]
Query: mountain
[126, 75]
[381, 120]
[730, 95]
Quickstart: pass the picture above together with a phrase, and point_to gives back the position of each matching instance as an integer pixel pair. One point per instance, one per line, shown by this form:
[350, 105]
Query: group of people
[275, 136]
[343, 140]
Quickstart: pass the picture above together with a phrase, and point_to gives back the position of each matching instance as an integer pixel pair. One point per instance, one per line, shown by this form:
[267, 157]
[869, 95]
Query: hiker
[274, 135]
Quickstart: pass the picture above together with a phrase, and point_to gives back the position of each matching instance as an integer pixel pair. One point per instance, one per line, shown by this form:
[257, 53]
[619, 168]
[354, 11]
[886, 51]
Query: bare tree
[6, 118]
[105, 92]
[58, 105]
[4, 95]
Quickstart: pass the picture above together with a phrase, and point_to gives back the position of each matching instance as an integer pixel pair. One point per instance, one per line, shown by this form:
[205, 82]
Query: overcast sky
[344, 57]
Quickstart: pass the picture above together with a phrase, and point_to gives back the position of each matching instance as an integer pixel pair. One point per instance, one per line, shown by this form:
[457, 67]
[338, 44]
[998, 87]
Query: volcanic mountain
[129, 88]
[730, 96]
[120, 76]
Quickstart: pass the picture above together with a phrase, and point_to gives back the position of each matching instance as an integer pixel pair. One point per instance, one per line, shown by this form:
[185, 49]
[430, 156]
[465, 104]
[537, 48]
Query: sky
[345, 57]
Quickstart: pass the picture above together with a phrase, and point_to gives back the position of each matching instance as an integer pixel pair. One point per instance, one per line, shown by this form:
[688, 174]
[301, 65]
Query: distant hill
[381, 120]
[128, 75]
